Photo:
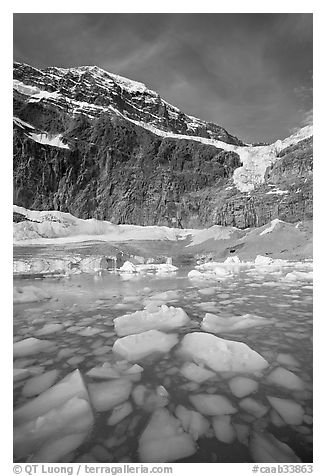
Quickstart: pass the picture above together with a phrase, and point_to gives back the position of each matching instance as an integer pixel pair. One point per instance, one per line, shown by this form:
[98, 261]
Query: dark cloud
[251, 73]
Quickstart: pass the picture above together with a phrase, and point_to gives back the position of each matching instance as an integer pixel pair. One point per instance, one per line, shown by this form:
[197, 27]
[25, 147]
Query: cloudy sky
[251, 73]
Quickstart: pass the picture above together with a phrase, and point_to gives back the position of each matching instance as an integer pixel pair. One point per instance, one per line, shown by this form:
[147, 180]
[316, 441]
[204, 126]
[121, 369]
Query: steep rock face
[84, 144]
[121, 173]
[91, 90]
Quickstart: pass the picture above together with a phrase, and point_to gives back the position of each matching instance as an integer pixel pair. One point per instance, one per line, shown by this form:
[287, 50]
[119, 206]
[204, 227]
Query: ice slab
[119, 413]
[288, 360]
[253, 407]
[162, 318]
[149, 399]
[242, 386]
[208, 404]
[29, 294]
[223, 429]
[221, 354]
[285, 378]
[291, 411]
[217, 324]
[163, 440]
[192, 422]
[20, 374]
[196, 373]
[106, 395]
[40, 383]
[30, 346]
[55, 423]
[137, 346]
[112, 371]
[265, 448]
[49, 329]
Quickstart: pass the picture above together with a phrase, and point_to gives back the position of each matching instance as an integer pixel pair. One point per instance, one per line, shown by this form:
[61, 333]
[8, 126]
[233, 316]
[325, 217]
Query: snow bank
[221, 354]
[162, 318]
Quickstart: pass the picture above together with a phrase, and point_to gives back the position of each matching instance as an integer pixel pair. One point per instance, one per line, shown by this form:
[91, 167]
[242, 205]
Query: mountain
[98, 145]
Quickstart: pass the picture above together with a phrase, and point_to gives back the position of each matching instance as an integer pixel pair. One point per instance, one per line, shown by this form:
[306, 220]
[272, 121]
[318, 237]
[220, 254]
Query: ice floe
[221, 354]
[106, 395]
[119, 413]
[162, 318]
[163, 440]
[55, 423]
[192, 422]
[285, 378]
[196, 373]
[150, 399]
[40, 383]
[265, 448]
[137, 346]
[30, 346]
[118, 370]
[218, 324]
[242, 386]
[223, 429]
[29, 294]
[253, 407]
[208, 404]
[291, 411]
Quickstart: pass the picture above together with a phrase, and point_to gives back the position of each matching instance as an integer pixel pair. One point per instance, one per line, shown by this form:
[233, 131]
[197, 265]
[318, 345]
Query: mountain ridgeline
[97, 145]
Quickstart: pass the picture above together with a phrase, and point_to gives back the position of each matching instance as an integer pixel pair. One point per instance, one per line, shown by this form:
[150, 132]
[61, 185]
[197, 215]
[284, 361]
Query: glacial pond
[143, 400]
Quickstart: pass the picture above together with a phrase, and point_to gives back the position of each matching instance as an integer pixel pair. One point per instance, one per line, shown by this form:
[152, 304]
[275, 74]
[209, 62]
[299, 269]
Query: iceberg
[30, 346]
[106, 395]
[27, 294]
[137, 346]
[192, 422]
[242, 386]
[217, 324]
[285, 378]
[208, 404]
[265, 448]
[164, 440]
[291, 411]
[162, 318]
[55, 423]
[223, 429]
[221, 354]
[195, 373]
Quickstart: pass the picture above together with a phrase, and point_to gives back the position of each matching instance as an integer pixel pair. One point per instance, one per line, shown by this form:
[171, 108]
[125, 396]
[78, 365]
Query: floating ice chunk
[119, 413]
[163, 440]
[253, 407]
[223, 429]
[285, 378]
[207, 291]
[49, 329]
[37, 437]
[263, 260]
[276, 420]
[138, 346]
[112, 371]
[71, 386]
[195, 373]
[192, 422]
[40, 383]
[232, 260]
[208, 404]
[90, 331]
[299, 276]
[149, 399]
[162, 318]
[242, 432]
[288, 360]
[165, 296]
[221, 354]
[30, 346]
[242, 386]
[106, 395]
[265, 448]
[20, 374]
[194, 274]
[217, 324]
[29, 294]
[291, 412]
[61, 413]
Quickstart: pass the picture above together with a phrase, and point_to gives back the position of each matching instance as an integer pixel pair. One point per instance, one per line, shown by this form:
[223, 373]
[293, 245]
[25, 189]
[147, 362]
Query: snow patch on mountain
[47, 139]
